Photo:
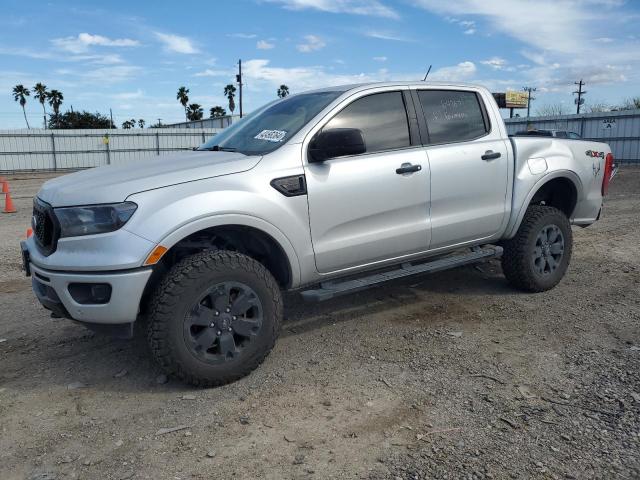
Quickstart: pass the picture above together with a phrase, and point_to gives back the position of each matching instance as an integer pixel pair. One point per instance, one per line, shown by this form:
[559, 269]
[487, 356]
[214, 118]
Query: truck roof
[405, 83]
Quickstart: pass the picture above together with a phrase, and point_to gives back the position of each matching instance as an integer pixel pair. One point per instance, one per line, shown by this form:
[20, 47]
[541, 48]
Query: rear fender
[521, 207]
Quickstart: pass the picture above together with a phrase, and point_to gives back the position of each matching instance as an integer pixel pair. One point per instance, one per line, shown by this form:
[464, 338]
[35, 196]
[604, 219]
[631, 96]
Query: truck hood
[114, 183]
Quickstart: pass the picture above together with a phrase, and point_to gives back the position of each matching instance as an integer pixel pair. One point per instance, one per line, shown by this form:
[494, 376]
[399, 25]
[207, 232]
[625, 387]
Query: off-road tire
[517, 259]
[175, 296]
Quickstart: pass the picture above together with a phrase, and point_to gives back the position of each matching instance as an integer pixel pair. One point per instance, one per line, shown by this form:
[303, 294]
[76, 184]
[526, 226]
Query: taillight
[608, 171]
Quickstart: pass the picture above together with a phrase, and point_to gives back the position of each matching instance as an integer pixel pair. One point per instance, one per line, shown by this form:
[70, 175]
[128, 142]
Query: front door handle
[408, 168]
[490, 155]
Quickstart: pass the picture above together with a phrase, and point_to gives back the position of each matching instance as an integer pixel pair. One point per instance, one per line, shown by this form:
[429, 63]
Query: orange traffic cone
[5, 186]
[8, 204]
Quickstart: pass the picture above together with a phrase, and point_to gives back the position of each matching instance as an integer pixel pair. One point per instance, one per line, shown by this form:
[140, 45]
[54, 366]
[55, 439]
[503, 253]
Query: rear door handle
[408, 168]
[490, 155]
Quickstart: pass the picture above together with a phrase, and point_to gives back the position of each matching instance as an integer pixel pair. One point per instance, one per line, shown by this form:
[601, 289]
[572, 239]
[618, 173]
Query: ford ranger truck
[325, 192]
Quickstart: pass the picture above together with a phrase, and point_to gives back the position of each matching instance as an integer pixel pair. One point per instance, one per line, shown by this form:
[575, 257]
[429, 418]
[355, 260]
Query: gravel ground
[453, 375]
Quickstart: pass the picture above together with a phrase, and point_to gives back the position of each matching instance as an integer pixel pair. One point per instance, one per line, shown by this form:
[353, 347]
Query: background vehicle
[548, 133]
[328, 192]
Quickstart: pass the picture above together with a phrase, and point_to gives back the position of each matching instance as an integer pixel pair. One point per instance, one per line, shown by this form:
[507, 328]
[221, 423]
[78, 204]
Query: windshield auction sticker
[271, 135]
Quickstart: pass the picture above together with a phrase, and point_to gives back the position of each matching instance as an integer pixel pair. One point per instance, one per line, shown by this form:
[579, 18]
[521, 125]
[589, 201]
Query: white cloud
[312, 44]
[261, 74]
[84, 41]
[470, 31]
[242, 35]
[497, 63]
[457, 73]
[385, 35]
[380, 59]
[357, 7]
[176, 43]
[556, 35]
[264, 45]
[128, 95]
[209, 72]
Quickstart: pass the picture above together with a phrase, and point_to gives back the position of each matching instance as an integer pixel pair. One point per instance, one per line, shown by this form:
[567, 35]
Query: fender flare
[514, 224]
[274, 232]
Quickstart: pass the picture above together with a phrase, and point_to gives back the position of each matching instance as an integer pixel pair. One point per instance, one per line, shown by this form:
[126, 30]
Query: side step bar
[335, 288]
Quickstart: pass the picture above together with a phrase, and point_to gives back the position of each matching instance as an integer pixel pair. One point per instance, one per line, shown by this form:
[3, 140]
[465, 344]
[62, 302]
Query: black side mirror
[336, 142]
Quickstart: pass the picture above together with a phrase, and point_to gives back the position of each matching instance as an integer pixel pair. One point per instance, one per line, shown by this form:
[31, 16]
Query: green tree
[55, 98]
[283, 91]
[217, 112]
[141, 123]
[128, 124]
[195, 111]
[80, 120]
[230, 93]
[41, 94]
[183, 98]
[20, 94]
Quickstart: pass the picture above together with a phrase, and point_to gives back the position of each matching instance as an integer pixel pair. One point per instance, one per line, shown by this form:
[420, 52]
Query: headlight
[92, 219]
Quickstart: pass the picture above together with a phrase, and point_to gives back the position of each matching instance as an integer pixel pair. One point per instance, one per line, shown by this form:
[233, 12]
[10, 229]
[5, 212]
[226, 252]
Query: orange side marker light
[29, 232]
[155, 256]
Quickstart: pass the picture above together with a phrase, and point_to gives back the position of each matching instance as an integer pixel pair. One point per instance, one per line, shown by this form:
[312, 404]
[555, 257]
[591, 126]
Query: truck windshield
[271, 126]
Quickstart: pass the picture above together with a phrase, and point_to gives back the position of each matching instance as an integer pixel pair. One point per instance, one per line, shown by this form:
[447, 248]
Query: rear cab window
[453, 115]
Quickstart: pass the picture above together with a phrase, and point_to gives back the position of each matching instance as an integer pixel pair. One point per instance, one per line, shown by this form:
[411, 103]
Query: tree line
[195, 111]
[83, 119]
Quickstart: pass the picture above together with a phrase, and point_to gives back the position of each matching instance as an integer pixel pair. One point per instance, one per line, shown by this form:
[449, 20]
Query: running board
[335, 288]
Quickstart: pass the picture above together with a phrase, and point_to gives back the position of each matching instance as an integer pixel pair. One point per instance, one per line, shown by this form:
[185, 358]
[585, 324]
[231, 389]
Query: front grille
[45, 227]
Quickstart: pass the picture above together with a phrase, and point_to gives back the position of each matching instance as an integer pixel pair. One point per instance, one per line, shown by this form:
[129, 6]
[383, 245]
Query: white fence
[24, 150]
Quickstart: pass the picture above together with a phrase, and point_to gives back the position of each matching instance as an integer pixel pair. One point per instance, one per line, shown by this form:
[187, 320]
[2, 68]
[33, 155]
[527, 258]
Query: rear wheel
[214, 318]
[538, 256]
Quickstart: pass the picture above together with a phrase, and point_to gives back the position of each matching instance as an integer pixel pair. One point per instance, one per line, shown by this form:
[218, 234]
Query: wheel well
[238, 238]
[560, 193]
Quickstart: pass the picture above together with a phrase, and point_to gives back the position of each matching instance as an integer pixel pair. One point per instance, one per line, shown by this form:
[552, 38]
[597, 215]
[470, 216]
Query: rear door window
[453, 116]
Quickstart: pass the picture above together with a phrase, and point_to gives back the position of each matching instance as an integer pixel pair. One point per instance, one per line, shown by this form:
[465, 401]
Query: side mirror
[336, 142]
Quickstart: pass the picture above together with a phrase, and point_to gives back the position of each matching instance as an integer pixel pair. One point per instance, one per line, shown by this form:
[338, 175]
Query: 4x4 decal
[594, 154]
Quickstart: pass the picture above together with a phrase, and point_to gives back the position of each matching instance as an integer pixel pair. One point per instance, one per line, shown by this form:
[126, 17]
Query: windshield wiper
[217, 148]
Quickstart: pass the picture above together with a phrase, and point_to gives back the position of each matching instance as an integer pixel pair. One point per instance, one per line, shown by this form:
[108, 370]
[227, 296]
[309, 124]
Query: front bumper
[52, 290]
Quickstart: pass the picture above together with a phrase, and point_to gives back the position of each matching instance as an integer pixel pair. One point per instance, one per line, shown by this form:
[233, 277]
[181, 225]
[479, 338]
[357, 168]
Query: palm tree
[217, 112]
[183, 98]
[283, 91]
[230, 93]
[20, 94]
[141, 123]
[195, 111]
[41, 95]
[55, 100]
[127, 124]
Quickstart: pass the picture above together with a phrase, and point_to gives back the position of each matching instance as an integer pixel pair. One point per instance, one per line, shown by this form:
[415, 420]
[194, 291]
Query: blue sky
[132, 56]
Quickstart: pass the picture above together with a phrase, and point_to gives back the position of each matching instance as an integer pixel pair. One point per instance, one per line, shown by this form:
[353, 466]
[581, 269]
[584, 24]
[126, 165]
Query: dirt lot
[454, 375]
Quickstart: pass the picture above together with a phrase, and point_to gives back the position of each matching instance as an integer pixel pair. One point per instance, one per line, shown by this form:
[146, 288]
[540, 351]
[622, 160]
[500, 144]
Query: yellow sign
[516, 99]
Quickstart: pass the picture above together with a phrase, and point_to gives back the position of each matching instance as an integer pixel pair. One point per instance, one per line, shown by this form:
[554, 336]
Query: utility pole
[111, 115]
[579, 101]
[239, 80]
[529, 98]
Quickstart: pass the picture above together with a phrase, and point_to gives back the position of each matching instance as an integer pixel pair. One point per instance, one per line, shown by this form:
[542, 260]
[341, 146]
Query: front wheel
[214, 317]
[538, 256]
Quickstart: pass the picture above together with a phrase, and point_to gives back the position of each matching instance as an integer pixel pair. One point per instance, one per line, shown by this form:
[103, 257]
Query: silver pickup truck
[326, 192]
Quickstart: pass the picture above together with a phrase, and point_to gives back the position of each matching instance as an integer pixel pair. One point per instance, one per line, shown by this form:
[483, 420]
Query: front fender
[238, 219]
[167, 215]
